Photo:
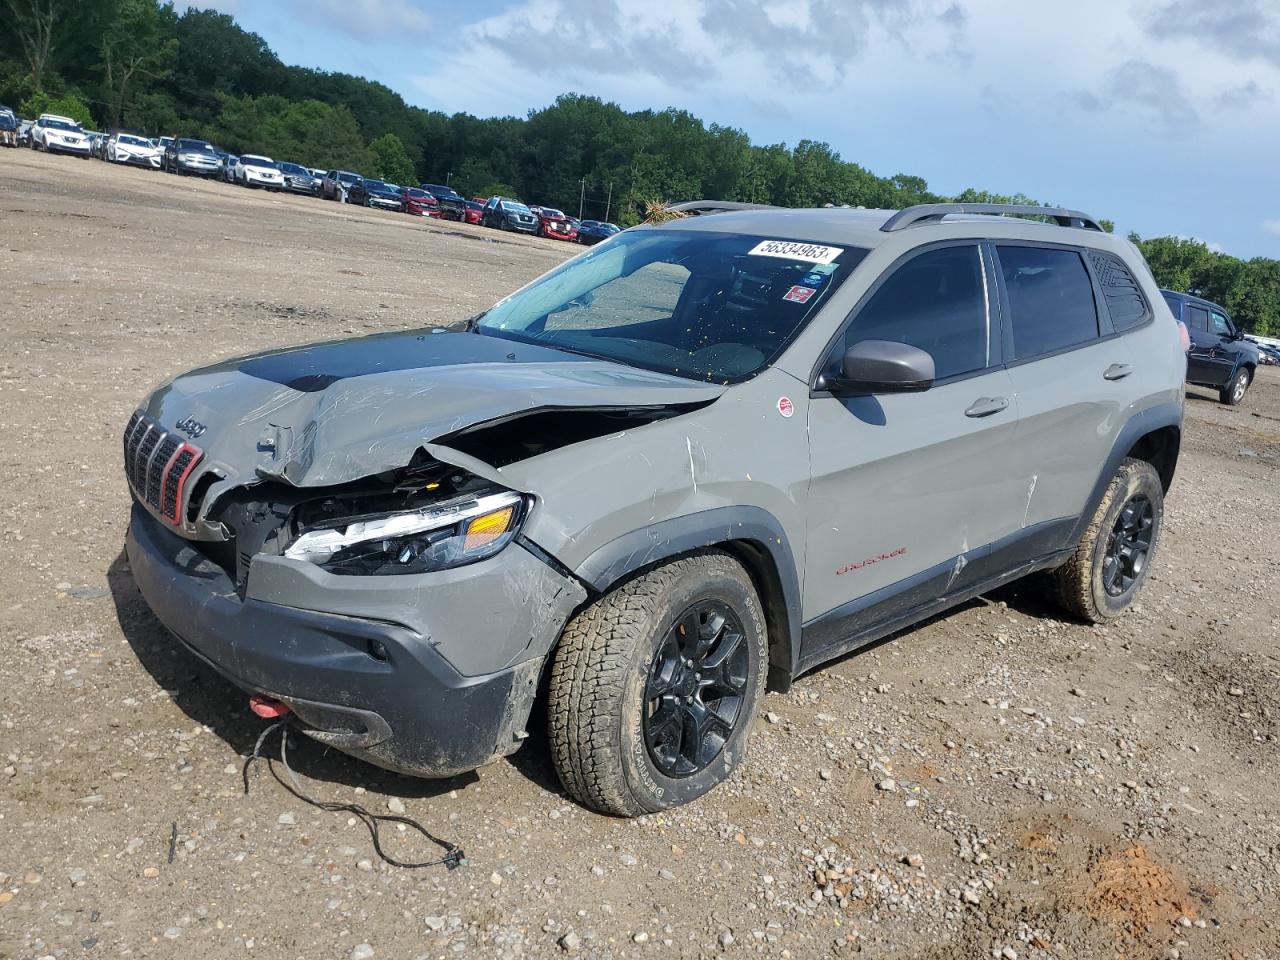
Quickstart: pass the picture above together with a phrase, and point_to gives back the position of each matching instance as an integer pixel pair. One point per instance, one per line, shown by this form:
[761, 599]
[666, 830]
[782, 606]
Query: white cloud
[368, 20]
[1271, 226]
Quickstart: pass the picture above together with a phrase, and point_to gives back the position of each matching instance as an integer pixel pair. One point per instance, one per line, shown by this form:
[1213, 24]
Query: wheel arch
[1153, 435]
[751, 535]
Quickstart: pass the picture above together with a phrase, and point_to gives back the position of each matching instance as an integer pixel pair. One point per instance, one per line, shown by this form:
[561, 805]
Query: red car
[474, 211]
[554, 224]
[419, 203]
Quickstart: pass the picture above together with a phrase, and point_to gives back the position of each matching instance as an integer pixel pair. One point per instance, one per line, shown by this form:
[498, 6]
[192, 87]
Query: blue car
[591, 232]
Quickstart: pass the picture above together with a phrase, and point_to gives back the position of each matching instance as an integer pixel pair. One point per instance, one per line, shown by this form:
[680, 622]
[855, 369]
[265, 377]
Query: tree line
[143, 66]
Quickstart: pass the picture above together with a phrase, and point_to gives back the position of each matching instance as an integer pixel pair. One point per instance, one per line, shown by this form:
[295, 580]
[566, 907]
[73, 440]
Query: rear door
[1071, 374]
[1209, 360]
[908, 489]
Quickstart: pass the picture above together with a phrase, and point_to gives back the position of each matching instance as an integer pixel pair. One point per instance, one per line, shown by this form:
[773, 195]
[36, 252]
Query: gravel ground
[998, 782]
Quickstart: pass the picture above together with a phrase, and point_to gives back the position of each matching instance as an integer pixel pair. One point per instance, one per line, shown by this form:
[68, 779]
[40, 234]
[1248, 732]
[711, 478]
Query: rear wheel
[655, 685]
[1236, 388]
[1105, 574]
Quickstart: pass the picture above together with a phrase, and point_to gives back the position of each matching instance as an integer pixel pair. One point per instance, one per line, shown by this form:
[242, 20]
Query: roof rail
[927, 212]
[696, 208]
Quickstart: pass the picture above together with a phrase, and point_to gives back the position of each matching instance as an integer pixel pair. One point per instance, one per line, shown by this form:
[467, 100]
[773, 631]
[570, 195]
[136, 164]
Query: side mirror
[882, 366]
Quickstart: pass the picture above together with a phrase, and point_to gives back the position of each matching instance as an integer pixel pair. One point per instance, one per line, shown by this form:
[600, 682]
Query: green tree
[38, 26]
[138, 46]
[65, 106]
[390, 160]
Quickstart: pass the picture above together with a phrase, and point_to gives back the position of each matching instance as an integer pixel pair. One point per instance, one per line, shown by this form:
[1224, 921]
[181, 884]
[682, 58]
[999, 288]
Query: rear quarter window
[1120, 291]
[1050, 297]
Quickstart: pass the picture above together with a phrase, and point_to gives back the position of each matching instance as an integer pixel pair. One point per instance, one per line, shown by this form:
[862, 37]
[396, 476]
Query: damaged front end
[427, 517]
[396, 615]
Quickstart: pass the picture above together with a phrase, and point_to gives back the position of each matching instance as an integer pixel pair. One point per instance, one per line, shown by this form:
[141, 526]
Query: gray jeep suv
[698, 458]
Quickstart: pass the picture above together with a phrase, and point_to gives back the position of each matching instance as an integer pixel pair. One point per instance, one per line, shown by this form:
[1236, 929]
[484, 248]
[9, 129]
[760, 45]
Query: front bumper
[60, 146]
[368, 686]
[384, 204]
[262, 180]
[130, 160]
[205, 169]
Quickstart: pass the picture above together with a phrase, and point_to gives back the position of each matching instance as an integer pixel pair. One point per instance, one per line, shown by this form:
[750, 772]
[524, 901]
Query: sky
[1162, 115]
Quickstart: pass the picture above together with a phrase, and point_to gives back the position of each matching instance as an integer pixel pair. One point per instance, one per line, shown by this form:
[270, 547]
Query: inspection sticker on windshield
[799, 294]
[794, 250]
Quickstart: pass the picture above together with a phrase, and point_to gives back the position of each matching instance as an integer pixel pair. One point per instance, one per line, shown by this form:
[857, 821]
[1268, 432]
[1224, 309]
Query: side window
[936, 302]
[1175, 306]
[1197, 318]
[1124, 299]
[1221, 325]
[1050, 299]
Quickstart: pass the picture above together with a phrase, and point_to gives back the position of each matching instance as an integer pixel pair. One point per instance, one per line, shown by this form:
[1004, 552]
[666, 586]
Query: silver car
[696, 459]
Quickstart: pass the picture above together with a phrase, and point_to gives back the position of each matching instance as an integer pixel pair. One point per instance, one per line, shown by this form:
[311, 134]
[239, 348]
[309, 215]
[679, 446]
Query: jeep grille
[157, 465]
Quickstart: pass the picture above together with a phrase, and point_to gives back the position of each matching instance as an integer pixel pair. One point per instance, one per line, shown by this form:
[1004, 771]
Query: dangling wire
[454, 857]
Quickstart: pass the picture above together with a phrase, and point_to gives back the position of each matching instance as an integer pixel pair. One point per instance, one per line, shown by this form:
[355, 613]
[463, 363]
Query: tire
[1106, 573]
[1236, 388]
[624, 664]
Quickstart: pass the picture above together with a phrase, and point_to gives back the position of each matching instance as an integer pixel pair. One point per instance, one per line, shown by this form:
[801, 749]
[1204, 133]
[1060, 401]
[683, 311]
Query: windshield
[515, 206]
[60, 125]
[552, 214]
[348, 177]
[7, 122]
[709, 306]
[421, 195]
[132, 141]
[375, 185]
[195, 146]
[253, 161]
[294, 169]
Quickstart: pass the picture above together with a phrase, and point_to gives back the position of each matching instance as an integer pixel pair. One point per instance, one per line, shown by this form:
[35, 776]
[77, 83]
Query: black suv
[452, 206]
[1220, 356]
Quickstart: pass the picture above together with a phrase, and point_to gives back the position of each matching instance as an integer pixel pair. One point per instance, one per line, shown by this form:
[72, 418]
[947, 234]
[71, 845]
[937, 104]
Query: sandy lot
[1057, 790]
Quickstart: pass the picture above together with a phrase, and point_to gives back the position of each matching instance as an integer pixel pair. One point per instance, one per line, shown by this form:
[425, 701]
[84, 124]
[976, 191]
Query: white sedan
[59, 134]
[255, 171]
[126, 148]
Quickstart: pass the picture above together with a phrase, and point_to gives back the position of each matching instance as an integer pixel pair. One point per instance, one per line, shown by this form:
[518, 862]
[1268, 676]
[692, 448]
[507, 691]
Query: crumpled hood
[334, 412]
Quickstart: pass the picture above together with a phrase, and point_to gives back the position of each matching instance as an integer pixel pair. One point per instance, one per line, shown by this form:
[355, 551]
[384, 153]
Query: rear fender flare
[1139, 425]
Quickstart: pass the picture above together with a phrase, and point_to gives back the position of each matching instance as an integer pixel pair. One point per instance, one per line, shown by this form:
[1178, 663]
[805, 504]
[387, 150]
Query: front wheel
[1103, 577]
[1236, 388]
[654, 687]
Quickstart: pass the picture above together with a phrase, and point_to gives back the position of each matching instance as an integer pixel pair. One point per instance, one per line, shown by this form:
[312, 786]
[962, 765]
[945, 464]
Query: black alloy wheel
[1128, 546]
[696, 688]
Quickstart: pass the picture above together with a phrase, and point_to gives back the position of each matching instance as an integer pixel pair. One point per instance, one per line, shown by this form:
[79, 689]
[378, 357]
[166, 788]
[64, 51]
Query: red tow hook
[267, 708]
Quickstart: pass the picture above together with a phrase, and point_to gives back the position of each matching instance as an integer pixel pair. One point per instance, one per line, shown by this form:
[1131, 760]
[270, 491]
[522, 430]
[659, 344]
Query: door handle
[1117, 371]
[986, 406]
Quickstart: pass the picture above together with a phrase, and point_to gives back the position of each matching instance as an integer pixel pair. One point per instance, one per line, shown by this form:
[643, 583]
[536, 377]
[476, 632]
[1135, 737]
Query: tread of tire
[589, 674]
[1074, 579]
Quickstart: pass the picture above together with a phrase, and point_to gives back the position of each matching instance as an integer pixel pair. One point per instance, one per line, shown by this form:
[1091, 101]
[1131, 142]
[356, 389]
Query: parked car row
[195, 157]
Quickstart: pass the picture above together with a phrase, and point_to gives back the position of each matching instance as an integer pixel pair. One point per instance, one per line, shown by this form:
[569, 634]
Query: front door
[909, 489]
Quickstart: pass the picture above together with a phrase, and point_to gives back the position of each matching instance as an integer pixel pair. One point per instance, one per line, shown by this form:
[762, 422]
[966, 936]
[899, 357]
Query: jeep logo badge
[192, 427]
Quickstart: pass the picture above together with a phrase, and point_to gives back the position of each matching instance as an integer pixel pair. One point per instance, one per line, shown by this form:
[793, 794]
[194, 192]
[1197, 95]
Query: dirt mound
[1131, 889]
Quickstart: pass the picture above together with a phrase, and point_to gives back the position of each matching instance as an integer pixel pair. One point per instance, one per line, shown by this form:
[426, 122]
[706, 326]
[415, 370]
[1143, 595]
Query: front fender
[770, 560]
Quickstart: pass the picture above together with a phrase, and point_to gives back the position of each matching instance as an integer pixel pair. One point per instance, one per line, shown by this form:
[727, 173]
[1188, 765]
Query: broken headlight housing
[449, 534]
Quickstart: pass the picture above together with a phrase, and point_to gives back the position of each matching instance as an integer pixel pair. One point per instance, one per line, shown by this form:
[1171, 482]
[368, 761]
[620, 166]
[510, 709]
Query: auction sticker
[795, 250]
[786, 407]
[799, 294]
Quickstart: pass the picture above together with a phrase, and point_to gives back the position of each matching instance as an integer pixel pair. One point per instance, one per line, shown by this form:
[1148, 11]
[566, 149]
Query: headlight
[443, 535]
